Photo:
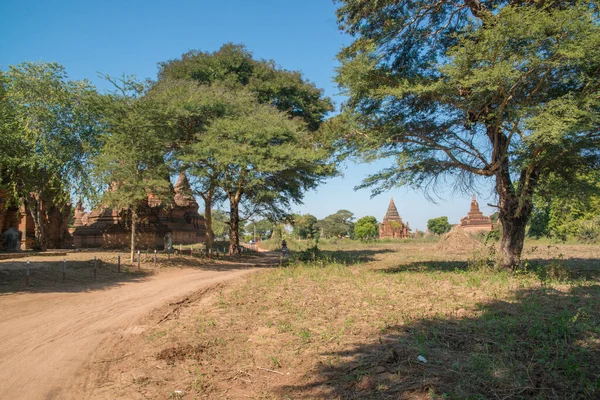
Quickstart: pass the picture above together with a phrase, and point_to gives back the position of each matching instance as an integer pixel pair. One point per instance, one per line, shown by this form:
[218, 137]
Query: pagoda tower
[475, 220]
[392, 225]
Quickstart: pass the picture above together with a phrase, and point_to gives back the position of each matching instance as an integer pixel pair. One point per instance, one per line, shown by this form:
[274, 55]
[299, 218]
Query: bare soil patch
[55, 337]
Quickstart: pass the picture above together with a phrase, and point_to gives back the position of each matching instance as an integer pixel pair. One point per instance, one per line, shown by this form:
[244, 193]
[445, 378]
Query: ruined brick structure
[392, 225]
[475, 220]
[110, 228]
[16, 217]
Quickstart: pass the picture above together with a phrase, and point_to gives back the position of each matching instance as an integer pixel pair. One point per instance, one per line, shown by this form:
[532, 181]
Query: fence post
[139, 260]
[27, 274]
[64, 269]
[95, 266]
[154, 256]
[118, 262]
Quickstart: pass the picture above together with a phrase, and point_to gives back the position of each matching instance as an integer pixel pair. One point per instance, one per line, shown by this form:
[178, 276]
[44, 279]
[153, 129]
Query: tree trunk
[210, 235]
[133, 223]
[514, 213]
[35, 209]
[234, 226]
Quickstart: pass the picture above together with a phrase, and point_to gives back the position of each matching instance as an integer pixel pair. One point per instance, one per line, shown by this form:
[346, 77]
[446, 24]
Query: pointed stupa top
[392, 212]
[474, 212]
[183, 191]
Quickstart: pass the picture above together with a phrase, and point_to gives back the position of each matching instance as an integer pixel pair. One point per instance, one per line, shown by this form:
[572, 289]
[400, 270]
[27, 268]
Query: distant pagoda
[475, 220]
[392, 225]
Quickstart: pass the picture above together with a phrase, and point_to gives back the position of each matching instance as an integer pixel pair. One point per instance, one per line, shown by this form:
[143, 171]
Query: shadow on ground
[545, 344]
[348, 257]
[47, 275]
[573, 268]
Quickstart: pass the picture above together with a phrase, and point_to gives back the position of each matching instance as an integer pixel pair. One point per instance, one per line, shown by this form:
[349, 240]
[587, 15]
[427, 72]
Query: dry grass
[351, 323]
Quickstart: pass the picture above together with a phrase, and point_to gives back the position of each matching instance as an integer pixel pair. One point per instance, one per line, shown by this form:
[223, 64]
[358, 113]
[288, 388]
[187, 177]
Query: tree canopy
[439, 225]
[337, 225]
[249, 130]
[366, 228]
[49, 132]
[454, 91]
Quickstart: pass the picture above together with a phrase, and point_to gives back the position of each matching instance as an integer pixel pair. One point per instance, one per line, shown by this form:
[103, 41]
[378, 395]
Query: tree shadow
[545, 344]
[348, 257]
[46, 275]
[79, 276]
[544, 269]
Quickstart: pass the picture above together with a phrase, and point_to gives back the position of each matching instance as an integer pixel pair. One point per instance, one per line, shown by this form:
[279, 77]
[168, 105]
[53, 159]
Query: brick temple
[392, 225]
[18, 231]
[475, 220]
[177, 221]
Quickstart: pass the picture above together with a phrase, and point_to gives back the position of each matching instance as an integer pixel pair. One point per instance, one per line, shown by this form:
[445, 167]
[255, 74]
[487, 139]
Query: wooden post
[95, 266]
[154, 257]
[180, 250]
[64, 269]
[27, 274]
[169, 253]
[139, 260]
[118, 263]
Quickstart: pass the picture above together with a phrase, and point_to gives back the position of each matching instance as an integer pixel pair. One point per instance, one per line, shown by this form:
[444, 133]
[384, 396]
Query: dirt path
[48, 339]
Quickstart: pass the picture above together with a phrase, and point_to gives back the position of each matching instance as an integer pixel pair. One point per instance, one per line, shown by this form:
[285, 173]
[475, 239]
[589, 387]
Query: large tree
[337, 225]
[258, 144]
[262, 155]
[455, 90]
[53, 130]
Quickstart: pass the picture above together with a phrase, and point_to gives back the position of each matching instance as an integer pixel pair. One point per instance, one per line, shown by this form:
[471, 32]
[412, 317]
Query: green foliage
[303, 226]
[262, 228]
[247, 129]
[49, 130]
[566, 214]
[233, 66]
[459, 91]
[366, 228]
[219, 224]
[337, 225]
[439, 226]
[131, 165]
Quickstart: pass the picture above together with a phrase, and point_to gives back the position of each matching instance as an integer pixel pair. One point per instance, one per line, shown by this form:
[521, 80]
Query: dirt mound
[458, 239]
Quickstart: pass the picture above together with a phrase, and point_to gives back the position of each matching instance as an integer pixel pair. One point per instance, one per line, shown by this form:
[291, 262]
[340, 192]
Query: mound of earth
[458, 239]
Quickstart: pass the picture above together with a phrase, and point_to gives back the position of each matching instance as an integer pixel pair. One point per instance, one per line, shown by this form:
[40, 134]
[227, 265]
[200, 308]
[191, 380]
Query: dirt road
[48, 339]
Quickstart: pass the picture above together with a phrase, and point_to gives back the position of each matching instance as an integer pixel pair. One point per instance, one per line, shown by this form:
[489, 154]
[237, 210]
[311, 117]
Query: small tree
[366, 228]
[303, 226]
[439, 226]
[131, 165]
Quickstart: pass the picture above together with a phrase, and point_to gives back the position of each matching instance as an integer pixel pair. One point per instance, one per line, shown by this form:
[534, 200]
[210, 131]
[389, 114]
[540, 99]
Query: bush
[589, 231]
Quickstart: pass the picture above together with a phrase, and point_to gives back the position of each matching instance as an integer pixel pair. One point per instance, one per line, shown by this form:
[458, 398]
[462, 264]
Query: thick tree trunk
[234, 226]
[133, 223]
[514, 213]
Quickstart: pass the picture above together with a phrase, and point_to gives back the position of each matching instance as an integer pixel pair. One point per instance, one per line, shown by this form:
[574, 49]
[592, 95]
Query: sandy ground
[53, 335]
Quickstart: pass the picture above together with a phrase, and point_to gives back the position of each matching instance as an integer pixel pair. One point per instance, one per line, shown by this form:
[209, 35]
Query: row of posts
[139, 259]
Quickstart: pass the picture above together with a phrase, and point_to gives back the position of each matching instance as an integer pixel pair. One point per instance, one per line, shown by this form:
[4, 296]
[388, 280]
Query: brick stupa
[475, 220]
[392, 226]
[177, 219]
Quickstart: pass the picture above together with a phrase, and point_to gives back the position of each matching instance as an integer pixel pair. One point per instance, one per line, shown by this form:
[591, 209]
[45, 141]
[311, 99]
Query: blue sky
[131, 37]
